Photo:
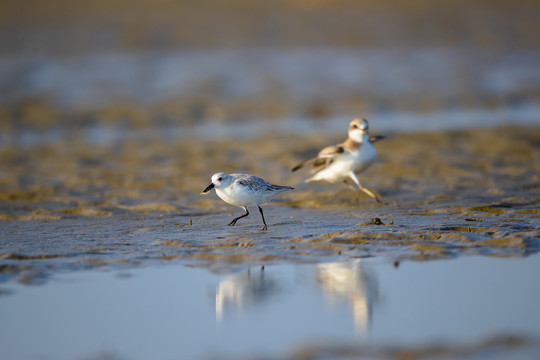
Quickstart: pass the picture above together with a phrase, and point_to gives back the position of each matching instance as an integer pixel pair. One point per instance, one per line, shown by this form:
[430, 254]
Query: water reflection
[432, 309]
[353, 283]
[245, 289]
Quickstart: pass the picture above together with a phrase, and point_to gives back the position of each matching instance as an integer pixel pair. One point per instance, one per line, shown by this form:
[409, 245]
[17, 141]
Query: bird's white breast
[364, 156]
[351, 161]
[239, 195]
[233, 195]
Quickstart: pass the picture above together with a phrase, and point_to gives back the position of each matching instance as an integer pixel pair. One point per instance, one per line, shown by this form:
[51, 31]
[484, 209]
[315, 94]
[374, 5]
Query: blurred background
[102, 68]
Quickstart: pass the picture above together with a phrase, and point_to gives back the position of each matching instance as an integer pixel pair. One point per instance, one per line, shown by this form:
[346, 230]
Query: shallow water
[245, 93]
[472, 307]
[446, 76]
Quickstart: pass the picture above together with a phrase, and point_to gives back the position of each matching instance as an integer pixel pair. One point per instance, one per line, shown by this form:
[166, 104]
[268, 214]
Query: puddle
[362, 307]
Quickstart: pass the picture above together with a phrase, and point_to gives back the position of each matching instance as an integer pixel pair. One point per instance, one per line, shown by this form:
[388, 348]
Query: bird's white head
[358, 128]
[219, 180]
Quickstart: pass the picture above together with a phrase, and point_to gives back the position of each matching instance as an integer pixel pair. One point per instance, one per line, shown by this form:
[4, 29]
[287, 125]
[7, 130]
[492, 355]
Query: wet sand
[76, 205]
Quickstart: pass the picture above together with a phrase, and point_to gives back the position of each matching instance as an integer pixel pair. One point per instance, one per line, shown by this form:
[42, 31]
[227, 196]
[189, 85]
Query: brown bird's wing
[303, 163]
[331, 151]
[324, 157]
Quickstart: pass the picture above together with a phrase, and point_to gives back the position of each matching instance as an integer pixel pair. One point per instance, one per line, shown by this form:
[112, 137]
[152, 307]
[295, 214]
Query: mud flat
[72, 204]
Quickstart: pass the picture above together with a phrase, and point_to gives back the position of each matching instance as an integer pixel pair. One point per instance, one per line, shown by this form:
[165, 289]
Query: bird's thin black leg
[262, 215]
[236, 219]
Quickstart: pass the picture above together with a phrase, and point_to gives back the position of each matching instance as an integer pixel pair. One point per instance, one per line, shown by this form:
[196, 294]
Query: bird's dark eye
[219, 179]
[354, 126]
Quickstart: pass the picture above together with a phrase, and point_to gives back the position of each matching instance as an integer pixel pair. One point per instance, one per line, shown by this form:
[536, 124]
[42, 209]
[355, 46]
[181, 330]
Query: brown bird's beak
[374, 138]
[207, 190]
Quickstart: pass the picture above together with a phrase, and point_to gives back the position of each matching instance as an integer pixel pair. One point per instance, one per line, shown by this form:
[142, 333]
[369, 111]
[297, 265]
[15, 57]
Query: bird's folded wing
[331, 151]
[324, 157]
[252, 183]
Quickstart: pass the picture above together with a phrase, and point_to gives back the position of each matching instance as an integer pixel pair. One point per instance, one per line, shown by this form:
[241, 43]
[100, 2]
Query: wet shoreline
[129, 203]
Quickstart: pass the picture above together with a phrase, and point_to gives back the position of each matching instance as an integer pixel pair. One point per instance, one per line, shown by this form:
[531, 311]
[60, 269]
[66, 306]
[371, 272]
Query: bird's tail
[281, 188]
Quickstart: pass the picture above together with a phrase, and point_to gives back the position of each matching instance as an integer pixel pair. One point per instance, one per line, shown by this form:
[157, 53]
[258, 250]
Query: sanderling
[343, 161]
[243, 190]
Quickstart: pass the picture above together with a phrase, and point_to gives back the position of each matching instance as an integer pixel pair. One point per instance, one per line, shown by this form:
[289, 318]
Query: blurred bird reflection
[245, 289]
[351, 282]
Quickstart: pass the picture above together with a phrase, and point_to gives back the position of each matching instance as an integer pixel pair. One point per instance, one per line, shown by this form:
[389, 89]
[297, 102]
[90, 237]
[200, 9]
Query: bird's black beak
[210, 187]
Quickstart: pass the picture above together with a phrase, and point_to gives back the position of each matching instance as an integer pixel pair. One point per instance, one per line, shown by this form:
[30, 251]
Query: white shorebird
[243, 190]
[343, 161]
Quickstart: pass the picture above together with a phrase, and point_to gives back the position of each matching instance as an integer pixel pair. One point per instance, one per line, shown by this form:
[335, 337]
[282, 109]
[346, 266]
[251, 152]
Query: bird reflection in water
[244, 289]
[352, 282]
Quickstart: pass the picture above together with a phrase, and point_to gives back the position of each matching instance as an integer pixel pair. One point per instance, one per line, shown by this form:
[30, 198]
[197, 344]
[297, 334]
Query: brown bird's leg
[354, 178]
[355, 191]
